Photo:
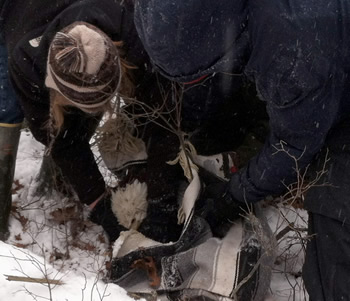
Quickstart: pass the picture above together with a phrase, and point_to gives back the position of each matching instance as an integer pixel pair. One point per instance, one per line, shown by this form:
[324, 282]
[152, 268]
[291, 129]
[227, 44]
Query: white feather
[129, 204]
[189, 199]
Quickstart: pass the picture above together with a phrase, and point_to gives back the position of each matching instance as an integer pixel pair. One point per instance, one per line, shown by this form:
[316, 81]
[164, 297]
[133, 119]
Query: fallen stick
[34, 280]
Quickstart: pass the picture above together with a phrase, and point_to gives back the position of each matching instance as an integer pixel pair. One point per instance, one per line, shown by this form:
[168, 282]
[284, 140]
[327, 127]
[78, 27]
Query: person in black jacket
[297, 54]
[66, 69]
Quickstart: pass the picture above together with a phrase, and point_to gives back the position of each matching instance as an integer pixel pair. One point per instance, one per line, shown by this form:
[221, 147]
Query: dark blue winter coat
[297, 53]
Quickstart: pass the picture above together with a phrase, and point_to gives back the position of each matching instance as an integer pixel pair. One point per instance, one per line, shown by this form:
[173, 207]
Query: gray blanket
[202, 267]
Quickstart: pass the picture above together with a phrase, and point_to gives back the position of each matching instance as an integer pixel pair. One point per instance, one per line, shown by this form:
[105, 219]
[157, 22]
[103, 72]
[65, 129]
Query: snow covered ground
[51, 239]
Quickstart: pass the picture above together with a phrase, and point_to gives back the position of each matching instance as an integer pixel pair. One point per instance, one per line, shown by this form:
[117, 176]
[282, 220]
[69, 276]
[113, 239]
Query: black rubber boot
[9, 138]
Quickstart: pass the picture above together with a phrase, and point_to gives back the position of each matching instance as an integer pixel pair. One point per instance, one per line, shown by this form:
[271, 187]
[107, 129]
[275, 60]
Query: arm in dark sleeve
[71, 151]
[301, 114]
[73, 155]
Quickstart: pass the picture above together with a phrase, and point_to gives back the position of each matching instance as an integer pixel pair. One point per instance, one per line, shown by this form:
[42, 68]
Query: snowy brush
[129, 204]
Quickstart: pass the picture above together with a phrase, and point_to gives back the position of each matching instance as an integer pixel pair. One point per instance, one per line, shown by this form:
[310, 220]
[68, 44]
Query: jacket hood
[188, 39]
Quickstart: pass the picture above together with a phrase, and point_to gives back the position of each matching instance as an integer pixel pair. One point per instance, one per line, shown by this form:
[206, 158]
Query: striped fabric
[83, 65]
[202, 267]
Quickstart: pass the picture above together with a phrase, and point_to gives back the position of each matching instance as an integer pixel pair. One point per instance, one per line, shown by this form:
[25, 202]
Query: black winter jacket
[28, 27]
[297, 53]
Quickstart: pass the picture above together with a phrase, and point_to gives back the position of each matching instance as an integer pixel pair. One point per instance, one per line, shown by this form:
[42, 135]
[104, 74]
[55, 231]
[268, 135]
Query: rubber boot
[9, 138]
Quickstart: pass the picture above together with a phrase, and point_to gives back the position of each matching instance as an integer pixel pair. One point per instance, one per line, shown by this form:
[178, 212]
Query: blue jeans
[10, 109]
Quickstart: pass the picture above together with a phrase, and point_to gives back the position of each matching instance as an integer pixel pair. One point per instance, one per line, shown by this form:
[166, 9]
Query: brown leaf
[101, 238]
[22, 246]
[84, 246]
[23, 220]
[18, 186]
[149, 266]
[61, 216]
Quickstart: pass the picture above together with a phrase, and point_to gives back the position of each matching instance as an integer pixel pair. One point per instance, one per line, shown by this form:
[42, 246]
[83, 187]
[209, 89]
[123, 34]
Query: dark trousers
[10, 110]
[326, 271]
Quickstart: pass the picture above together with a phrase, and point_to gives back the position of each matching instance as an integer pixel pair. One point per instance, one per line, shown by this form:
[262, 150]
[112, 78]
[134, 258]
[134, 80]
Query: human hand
[216, 203]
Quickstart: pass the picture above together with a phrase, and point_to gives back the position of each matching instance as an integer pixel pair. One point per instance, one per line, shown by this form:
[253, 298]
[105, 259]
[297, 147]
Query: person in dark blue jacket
[298, 55]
